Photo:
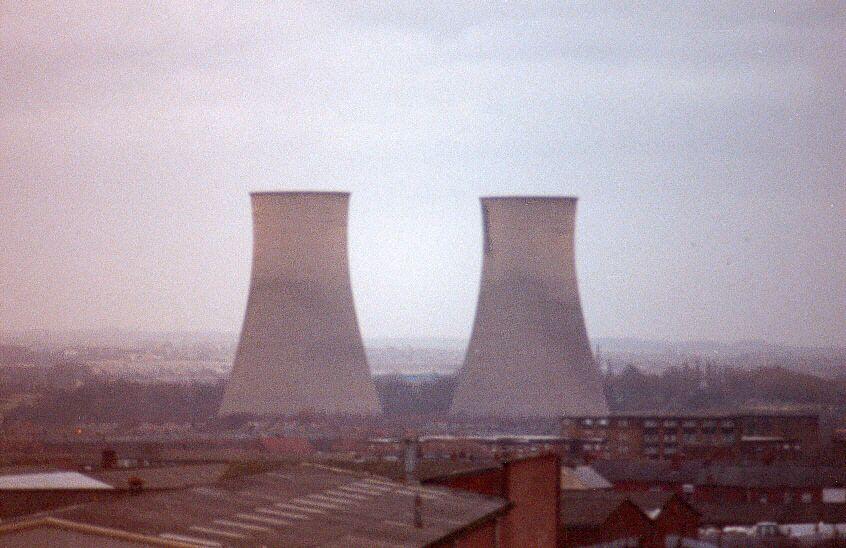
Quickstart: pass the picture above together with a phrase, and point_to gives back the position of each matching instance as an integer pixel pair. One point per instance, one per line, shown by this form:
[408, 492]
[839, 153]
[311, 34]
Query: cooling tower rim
[326, 193]
[529, 198]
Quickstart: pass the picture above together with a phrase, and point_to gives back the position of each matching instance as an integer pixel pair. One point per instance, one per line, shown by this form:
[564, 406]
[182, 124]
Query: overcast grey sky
[706, 145]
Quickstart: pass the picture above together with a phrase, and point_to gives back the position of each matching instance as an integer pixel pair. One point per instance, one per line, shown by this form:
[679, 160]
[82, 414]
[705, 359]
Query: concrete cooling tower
[529, 353]
[300, 347]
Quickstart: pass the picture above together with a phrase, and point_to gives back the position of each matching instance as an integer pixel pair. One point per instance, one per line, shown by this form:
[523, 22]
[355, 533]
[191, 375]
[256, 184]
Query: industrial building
[294, 505]
[529, 353]
[300, 349]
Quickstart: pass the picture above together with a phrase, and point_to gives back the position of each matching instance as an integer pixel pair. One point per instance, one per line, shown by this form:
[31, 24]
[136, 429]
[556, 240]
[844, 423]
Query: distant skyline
[707, 148]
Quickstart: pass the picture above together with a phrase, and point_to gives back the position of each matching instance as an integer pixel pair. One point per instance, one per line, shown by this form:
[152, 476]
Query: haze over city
[706, 147]
[433, 274]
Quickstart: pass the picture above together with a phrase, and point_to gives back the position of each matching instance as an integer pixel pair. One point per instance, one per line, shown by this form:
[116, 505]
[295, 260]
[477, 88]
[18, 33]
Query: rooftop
[426, 468]
[584, 508]
[582, 477]
[698, 473]
[163, 477]
[175, 476]
[749, 513]
[295, 505]
[591, 511]
[47, 481]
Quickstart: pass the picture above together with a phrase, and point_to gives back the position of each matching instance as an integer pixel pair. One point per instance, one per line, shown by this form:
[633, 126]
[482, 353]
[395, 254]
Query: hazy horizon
[110, 337]
[707, 148]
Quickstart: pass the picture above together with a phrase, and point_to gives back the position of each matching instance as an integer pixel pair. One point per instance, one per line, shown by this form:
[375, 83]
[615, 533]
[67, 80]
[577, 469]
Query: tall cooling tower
[529, 354]
[300, 347]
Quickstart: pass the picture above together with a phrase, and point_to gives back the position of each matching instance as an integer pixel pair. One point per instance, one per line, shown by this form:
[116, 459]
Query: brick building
[602, 520]
[752, 435]
[779, 483]
[671, 515]
[600, 516]
[531, 485]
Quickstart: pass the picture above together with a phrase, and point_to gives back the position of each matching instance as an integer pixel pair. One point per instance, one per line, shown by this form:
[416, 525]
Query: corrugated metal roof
[297, 505]
[51, 481]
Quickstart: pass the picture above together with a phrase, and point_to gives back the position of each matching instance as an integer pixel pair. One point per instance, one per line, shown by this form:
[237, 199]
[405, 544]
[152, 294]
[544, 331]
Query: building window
[807, 497]
[623, 423]
[670, 424]
[788, 497]
[602, 422]
[650, 424]
[587, 422]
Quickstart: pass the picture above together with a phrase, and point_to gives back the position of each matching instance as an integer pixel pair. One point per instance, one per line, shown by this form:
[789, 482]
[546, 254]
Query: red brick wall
[675, 519]
[533, 486]
[481, 537]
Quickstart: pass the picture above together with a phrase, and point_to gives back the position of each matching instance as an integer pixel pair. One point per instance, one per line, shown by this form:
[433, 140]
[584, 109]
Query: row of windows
[652, 423]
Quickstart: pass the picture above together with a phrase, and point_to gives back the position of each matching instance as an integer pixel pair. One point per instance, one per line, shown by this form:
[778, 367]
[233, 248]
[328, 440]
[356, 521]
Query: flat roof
[294, 505]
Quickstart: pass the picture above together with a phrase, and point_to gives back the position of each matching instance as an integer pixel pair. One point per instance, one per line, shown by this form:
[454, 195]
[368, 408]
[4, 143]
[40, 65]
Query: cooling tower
[300, 348]
[529, 353]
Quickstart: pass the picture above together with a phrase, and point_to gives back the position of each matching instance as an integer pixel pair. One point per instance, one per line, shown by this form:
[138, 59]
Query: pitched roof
[580, 509]
[427, 469]
[582, 477]
[577, 506]
[617, 471]
[44, 481]
[296, 505]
